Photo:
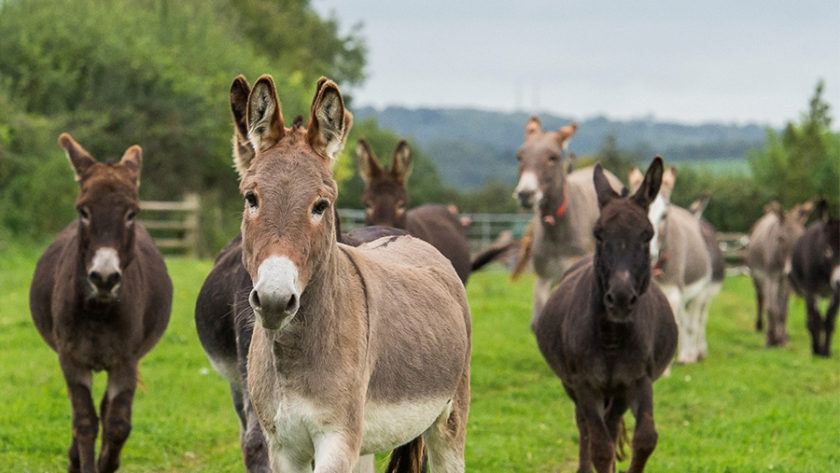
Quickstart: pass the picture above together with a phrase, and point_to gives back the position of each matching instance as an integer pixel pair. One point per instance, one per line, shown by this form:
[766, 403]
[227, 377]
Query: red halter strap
[548, 218]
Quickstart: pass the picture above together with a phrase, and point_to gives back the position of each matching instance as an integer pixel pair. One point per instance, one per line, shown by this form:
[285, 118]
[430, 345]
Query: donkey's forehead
[623, 218]
[103, 178]
[541, 145]
[286, 168]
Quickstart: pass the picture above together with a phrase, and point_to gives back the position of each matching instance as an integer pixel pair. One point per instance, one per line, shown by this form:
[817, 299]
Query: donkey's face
[622, 234]
[542, 172]
[288, 224]
[107, 204]
[385, 195]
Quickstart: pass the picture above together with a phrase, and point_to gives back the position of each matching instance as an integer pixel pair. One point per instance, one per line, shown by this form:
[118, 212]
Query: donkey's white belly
[298, 421]
[390, 425]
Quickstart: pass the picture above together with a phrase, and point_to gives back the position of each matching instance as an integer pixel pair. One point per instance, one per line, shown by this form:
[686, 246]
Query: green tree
[803, 161]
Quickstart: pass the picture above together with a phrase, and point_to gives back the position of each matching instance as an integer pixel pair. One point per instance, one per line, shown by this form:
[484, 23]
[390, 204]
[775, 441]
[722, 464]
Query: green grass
[745, 409]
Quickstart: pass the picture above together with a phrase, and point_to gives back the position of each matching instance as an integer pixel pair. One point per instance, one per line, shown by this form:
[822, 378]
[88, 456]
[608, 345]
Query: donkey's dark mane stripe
[364, 291]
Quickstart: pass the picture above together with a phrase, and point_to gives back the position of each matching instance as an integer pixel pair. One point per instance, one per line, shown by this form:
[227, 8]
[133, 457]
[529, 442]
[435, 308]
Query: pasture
[744, 409]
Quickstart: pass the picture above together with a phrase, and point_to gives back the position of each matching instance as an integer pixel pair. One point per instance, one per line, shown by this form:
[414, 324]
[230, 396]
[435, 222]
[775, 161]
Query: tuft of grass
[744, 409]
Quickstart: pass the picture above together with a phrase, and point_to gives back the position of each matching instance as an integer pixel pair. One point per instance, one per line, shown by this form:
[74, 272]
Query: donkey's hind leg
[116, 415]
[445, 438]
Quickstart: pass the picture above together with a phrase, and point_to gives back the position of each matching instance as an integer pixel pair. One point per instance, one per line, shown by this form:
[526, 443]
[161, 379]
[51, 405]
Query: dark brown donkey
[815, 273]
[608, 333]
[385, 197]
[101, 298]
[355, 349]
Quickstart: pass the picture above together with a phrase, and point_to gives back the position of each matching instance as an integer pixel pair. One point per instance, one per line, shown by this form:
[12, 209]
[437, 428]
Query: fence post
[191, 224]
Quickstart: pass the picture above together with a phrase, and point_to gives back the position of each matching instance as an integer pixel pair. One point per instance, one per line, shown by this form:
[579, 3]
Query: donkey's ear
[698, 206]
[634, 178]
[650, 187]
[801, 212]
[369, 168]
[532, 128]
[243, 150]
[327, 127]
[565, 133]
[822, 210]
[603, 188]
[401, 164]
[669, 178]
[264, 116]
[80, 159]
[132, 159]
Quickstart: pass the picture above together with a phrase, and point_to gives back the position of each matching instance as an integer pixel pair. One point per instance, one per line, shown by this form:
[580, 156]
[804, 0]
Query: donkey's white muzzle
[276, 296]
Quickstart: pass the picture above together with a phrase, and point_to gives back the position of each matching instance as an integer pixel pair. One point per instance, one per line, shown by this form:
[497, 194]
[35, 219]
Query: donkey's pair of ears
[643, 196]
[370, 169]
[258, 119]
[534, 127]
[82, 161]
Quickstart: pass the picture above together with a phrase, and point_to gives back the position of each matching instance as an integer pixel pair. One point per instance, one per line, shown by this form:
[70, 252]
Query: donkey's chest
[96, 348]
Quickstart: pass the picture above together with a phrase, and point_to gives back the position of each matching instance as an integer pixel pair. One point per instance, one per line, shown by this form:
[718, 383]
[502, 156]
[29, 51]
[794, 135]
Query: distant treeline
[158, 72]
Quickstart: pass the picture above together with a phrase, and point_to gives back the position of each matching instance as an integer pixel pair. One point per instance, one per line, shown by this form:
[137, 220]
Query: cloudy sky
[689, 61]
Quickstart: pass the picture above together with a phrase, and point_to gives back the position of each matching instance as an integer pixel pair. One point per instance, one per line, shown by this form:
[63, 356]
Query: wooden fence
[173, 225]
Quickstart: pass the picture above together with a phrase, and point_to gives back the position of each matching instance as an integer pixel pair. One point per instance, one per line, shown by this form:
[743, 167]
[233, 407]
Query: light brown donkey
[768, 256]
[356, 349]
[565, 204]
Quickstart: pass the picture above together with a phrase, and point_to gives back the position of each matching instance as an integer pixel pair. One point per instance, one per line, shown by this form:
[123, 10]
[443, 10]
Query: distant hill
[471, 146]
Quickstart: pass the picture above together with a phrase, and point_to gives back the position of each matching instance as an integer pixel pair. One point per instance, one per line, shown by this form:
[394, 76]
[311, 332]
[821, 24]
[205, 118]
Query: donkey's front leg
[336, 452]
[116, 414]
[830, 320]
[644, 436]
[601, 445]
[85, 424]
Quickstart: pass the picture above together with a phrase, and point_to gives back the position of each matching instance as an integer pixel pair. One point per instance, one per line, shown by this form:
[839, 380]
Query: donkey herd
[338, 345]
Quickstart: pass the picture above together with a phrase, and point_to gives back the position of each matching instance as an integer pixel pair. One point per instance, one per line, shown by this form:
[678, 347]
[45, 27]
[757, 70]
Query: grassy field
[744, 409]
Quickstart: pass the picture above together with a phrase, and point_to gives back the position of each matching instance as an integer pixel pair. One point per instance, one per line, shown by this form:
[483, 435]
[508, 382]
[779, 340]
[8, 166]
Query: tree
[803, 161]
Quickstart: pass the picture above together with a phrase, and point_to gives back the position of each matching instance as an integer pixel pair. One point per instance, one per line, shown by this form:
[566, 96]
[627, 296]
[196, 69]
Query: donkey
[355, 349]
[608, 333]
[385, 198]
[565, 204]
[224, 318]
[101, 298]
[815, 273]
[768, 256]
[682, 253]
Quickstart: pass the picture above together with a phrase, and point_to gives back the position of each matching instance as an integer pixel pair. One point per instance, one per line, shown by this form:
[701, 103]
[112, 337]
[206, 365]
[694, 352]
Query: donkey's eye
[320, 207]
[553, 158]
[129, 217]
[84, 213]
[251, 198]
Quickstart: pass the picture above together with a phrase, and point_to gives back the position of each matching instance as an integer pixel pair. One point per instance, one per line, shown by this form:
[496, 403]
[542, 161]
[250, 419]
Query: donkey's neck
[327, 308]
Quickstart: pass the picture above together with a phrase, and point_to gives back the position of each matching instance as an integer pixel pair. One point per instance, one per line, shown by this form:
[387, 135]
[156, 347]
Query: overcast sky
[689, 61]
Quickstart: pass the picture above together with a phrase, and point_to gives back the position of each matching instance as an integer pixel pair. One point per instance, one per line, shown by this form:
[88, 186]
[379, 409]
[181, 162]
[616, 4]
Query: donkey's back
[441, 228]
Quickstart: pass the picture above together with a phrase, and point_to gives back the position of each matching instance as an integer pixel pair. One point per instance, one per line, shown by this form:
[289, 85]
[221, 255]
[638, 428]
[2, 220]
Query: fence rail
[173, 225]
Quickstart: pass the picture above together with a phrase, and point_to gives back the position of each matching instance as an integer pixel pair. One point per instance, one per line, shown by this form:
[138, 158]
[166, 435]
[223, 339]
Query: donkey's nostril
[254, 299]
[95, 278]
[292, 305]
[609, 298]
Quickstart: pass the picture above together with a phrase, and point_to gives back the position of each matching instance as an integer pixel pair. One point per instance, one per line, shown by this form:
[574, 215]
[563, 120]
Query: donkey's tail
[621, 442]
[490, 253]
[524, 251]
[407, 458]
